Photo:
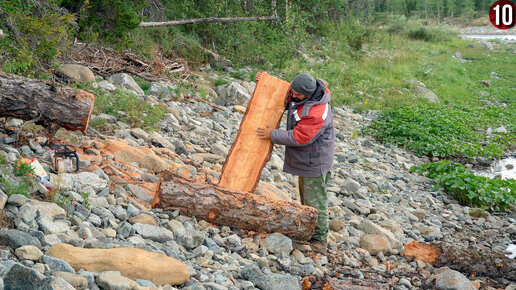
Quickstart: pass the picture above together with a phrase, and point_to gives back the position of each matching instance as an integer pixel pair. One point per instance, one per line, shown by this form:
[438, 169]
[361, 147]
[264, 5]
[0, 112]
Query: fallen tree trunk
[207, 20]
[243, 210]
[249, 153]
[45, 102]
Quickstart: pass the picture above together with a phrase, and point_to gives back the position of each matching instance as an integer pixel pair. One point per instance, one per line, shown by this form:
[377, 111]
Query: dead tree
[45, 102]
[207, 20]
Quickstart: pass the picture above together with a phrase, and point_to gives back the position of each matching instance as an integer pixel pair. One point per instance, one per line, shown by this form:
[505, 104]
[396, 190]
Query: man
[309, 141]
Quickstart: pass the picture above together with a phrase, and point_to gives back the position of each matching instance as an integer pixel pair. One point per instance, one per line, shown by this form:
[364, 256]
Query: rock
[55, 283]
[427, 94]
[139, 193]
[157, 234]
[48, 208]
[158, 89]
[375, 244]
[130, 262]
[57, 264]
[3, 199]
[487, 45]
[153, 163]
[21, 277]
[50, 227]
[239, 109]
[278, 243]
[84, 179]
[234, 94]
[28, 252]
[16, 199]
[139, 133]
[106, 86]
[270, 281]
[351, 186]
[453, 280]
[143, 218]
[76, 72]
[127, 83]
[77, 281]
[369, 227]
[113, 280]
[337, 225]
[17, 238]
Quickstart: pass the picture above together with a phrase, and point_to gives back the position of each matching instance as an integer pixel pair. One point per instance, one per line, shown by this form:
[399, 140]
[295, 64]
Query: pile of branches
[105, 62]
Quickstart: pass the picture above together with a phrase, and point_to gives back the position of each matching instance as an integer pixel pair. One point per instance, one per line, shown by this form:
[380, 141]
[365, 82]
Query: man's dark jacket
[310, 136]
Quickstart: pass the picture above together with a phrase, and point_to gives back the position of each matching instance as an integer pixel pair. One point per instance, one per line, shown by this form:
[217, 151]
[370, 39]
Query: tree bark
[30, 99]
[243, 210]
[207, 20]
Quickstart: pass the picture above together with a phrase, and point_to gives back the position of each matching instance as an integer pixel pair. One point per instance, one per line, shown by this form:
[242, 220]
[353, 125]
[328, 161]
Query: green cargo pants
[312, 191]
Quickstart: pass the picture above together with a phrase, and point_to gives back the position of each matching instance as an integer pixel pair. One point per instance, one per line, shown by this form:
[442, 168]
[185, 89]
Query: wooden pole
[207, 20]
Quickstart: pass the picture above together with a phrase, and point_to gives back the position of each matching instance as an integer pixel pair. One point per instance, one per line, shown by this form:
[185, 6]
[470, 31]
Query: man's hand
[258, 76]
[264, 132]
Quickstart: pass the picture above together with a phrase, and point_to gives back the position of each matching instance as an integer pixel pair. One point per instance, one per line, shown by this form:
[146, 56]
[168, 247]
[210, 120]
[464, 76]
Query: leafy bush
[396, 23]
[493, 194]
[444, 131]
[129, 108]
[430, 34]
[22, 169]
[36, 32]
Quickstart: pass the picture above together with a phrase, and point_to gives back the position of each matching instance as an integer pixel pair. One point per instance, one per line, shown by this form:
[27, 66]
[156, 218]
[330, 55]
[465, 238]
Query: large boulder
[76, 72]
[233, 94]
[17, 238]
[22, 277]
[369, 227]
[453, 280]
[426, 93]
[271, 281]
[375, 244]
[127, 83]
[130, 262]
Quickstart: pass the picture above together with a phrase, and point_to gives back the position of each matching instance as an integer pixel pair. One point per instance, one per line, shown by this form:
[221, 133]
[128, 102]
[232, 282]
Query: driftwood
[207, 20]
[243, 210]
[44, 102]
[249, 153]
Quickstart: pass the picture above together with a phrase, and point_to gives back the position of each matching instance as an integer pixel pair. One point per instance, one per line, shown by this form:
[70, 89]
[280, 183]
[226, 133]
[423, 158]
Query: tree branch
[207, 20]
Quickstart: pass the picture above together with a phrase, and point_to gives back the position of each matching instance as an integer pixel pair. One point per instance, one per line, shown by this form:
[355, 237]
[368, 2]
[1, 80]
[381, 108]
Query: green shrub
[36, 32]
[220, 82]
[430, 34]
[129, 108]
[476, 191]
[397, 24]
[22, 169]
[445, 131]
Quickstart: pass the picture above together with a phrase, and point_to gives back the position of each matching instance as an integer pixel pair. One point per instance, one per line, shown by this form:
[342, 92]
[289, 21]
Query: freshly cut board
[249, 153]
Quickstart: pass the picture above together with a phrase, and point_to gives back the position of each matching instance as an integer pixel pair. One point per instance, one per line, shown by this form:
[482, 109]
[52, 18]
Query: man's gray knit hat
[304, 84]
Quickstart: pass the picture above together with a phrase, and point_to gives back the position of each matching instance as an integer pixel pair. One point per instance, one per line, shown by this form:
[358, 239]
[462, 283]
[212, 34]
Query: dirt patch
[5, 221]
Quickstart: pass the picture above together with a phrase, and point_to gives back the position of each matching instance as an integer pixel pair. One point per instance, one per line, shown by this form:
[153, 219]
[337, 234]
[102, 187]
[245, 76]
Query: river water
[504, 38]
[505, 168]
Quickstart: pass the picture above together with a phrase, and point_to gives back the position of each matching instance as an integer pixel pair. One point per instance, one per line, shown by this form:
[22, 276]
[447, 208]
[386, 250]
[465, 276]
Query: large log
[249, 153]
[29, 99]
[243, 210]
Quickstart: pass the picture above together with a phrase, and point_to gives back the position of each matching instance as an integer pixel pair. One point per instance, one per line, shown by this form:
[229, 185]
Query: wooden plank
[249, 153]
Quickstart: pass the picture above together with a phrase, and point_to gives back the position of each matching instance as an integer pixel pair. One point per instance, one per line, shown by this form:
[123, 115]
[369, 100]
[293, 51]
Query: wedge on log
[237, 209]
[30, 99]
[249, 153]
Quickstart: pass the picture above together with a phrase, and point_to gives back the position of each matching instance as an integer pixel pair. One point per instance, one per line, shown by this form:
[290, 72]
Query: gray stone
[17, 200]
[26, 213]
[21, 277]
[17, 238]
[50, 227]
[453, 280]
[106, 86]
[369, 227]
[77, 281]
[270, 281]
[158, 89]
[125, 230]
[28, 252]
[139, 133]
[427, 94]
[56, 264]
[351, 186]
[76, 72]
[113, 280]
[127, 83]
[132, 210]
[487, 45]
[278, 243]
[85, 179]
[139, 192]
[49, 240]
[154, 233]
[26, 150]
[234, 94]
[55, 283]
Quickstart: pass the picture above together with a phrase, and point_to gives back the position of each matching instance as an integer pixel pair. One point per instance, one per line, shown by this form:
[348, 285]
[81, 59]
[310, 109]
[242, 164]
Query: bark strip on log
[249, 153]
[207, 20]
[48, 102]
[242, 210]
